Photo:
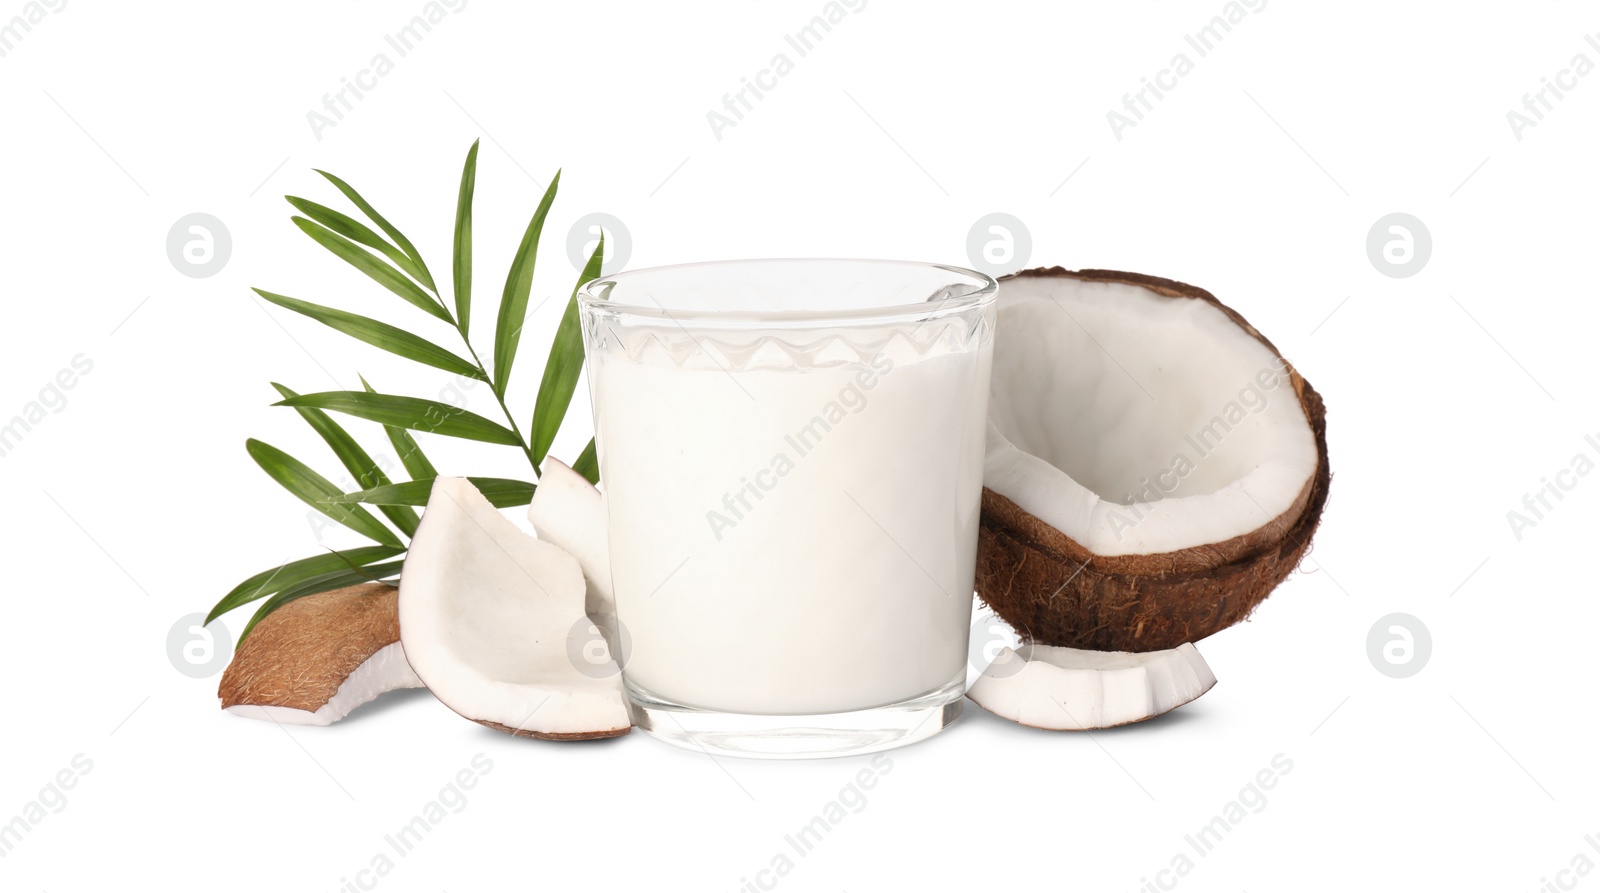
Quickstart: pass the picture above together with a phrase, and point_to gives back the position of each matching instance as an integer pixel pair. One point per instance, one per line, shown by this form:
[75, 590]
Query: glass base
[808, 736]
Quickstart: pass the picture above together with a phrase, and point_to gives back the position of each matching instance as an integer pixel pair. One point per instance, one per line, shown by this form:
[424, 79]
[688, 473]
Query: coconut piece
[568, 511]
[1154, 467]
[492, 621]
[1070, 689]
[317, 658]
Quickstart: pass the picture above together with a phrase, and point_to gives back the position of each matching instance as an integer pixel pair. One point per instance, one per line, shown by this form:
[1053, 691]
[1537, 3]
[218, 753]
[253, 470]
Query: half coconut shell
[1055, 591]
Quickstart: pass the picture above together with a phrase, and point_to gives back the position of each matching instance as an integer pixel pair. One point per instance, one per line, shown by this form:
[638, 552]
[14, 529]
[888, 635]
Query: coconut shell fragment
[317, 658]
[1070, 689]
[1056, 591]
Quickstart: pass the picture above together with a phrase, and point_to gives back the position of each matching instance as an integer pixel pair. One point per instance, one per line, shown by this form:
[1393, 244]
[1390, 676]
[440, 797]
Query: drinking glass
[791, 453]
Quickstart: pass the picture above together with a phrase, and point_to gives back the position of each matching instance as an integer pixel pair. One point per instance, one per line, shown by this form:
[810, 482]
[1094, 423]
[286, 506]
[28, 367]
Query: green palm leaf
[399, 238]
[379, 334]
[382, 253]
[358, 232]
[411, 456]
[372, 266]
[562, 368]
[462, 265]
[311, 488]
[355, 460]
[409, 412]
[501, 493]
[514, 299]
[588, 464]
[293, 573]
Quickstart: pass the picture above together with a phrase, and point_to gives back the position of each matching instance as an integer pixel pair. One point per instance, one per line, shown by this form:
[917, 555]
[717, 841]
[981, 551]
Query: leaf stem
[494, 386]
[500, 398]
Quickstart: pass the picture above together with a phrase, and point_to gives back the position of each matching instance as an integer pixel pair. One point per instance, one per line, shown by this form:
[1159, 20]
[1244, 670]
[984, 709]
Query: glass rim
[593, 296]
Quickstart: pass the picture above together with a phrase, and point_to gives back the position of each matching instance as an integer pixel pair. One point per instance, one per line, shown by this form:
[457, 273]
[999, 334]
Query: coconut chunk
[1168, 425]
[317, 658]
[1071, 689]
[569, 512]
[493, 622]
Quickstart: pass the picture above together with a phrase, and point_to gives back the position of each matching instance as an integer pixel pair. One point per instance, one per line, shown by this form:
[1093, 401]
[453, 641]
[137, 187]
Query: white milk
[793, 538]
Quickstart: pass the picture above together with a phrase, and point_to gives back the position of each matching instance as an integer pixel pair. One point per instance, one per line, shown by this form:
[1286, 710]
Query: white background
[1451, 394]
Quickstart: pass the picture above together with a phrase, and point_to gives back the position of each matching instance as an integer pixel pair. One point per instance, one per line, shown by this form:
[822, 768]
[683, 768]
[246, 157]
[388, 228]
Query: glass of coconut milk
[791, 453]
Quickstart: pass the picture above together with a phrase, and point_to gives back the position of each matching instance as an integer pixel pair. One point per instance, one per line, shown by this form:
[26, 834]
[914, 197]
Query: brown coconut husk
[557, 736]
[1055, 592]
[300, 654]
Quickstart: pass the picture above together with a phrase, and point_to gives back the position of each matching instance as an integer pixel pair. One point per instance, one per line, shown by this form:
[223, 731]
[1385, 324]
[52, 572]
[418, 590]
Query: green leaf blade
[374, 268]
[501, 493]
[514, 298]
[378, 334]
[355, 459]
[311, 488]
[357, 232]
[322, 583]
[588, 464]
[563, 366]
[414, 413]
[411, 455]
[383, 224]
[293, 573]
[461, 266]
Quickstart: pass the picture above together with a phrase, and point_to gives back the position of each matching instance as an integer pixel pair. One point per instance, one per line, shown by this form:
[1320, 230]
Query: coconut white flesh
[486, 612]
[568, 511]
[386, 670]
[1072, 689]
[1136, 423]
